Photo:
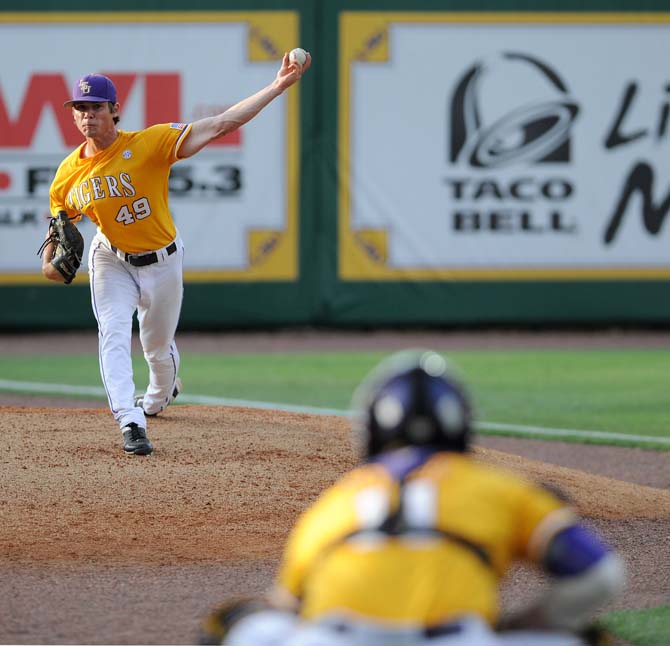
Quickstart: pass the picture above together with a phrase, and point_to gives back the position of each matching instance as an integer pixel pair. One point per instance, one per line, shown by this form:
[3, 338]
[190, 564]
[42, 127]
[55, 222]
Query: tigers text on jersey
[124, 188]
[456, 527]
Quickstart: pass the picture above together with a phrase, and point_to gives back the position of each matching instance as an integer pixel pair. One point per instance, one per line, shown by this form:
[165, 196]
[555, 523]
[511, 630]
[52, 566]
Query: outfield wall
[443, 163]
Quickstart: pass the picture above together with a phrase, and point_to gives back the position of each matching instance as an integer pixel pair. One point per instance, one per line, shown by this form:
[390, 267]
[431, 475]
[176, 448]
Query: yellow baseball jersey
[456, 527]
[124, 188]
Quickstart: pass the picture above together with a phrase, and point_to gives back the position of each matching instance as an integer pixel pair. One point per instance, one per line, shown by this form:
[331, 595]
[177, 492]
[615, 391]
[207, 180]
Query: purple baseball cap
[94, 88]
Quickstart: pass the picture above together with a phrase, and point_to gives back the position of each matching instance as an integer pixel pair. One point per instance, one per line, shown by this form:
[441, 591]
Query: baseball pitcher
[119, 180]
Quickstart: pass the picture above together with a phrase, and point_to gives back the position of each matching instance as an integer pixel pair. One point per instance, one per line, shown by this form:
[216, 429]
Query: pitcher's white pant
[118, 289]
[275, 628]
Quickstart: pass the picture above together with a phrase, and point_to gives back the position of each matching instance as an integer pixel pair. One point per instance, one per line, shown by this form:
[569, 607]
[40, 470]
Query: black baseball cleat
[135, 440]
[139, 401]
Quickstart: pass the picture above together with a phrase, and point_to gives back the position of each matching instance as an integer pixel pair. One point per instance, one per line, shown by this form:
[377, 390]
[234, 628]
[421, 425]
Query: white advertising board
[504, 146]
[235, 203]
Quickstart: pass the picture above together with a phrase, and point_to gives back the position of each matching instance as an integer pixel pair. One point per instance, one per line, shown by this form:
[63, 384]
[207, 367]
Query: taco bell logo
[510, 109]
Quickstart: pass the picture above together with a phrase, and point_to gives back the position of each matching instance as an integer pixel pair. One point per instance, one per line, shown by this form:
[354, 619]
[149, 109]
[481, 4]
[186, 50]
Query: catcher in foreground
[410, 547]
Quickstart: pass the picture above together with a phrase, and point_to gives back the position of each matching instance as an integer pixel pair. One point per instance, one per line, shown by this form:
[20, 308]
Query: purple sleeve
[573, 551]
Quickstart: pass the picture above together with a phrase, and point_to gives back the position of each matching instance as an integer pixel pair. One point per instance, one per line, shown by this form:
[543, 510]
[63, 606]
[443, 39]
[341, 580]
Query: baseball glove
[68, 246]
[217, 624]
[596, 634]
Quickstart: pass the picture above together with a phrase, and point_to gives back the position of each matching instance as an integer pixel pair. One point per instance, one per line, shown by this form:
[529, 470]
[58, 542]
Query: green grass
[648, 627]
[607, 390]
[619, 391]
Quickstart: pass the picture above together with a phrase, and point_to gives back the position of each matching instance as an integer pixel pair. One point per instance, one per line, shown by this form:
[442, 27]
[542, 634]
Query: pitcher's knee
[161, 354]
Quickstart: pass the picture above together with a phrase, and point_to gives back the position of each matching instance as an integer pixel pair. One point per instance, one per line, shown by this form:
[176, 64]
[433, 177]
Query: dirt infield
[97, 547]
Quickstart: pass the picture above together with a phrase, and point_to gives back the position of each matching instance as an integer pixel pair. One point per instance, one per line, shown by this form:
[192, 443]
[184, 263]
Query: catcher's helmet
[410, 399]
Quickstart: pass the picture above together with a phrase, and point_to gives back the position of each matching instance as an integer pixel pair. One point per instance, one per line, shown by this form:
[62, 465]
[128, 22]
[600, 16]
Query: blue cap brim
[88, 99]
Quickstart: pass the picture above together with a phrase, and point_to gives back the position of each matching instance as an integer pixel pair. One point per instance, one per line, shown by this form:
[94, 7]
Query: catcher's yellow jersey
[124, 188]
[425, 556]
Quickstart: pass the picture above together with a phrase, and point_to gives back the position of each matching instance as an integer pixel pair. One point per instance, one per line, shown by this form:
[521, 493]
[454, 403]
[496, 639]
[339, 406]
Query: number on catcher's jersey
[140, 210]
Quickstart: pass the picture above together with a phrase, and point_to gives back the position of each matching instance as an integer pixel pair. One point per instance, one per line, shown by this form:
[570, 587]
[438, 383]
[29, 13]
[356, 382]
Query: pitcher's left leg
[161, 293]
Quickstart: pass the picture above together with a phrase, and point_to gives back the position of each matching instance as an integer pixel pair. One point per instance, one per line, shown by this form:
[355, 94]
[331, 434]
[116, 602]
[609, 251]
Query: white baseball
[298, 55]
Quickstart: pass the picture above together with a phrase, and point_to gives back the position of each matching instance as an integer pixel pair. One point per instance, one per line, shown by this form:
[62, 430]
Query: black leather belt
[443, 630]
[434, 632]
[144, 259]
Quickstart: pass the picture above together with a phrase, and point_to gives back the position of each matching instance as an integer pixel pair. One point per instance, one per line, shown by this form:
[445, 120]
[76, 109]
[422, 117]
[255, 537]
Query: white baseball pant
[155, 292]
[276, 628]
